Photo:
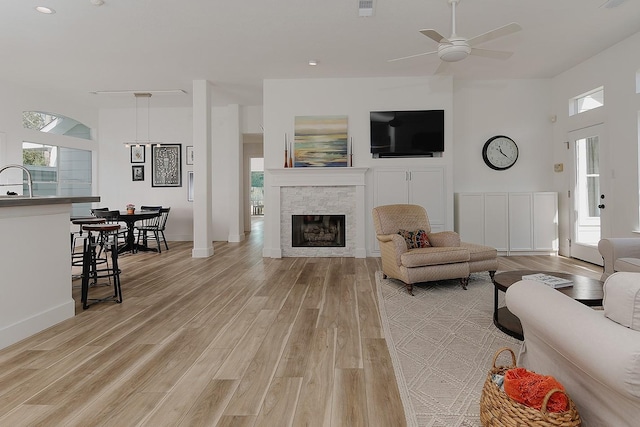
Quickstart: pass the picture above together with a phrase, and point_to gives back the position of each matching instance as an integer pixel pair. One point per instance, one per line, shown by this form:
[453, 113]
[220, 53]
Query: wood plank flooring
[231, 340]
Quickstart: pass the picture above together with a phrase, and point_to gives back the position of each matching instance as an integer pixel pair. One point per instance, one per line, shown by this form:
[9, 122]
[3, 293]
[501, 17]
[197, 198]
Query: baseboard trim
[202, 252]
[24, 328]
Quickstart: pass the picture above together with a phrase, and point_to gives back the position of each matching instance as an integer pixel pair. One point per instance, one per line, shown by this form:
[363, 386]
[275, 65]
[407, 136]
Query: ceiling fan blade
[443, 67]
[488, 53]
[494, 34]
[412, 56]
[435, 36]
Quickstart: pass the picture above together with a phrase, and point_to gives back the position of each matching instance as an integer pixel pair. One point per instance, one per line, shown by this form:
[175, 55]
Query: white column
[202, 170]
[236, 224]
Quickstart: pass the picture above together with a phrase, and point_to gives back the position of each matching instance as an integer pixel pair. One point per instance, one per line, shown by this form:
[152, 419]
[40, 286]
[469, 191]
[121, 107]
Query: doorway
[587, 192]
[257, 186]
[252, 160]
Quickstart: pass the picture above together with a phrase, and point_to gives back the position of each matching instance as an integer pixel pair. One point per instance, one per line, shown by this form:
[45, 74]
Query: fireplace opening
[317, 230]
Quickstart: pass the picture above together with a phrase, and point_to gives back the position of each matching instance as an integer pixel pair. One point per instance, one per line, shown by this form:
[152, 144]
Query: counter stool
[105, 236]
[76, 257]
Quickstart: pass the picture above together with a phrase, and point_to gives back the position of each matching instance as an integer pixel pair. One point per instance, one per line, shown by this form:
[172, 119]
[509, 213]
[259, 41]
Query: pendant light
[137, 142]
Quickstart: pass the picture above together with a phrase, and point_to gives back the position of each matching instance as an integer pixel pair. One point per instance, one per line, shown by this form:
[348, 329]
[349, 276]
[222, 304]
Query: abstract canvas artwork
[320, 141]
[166, 168]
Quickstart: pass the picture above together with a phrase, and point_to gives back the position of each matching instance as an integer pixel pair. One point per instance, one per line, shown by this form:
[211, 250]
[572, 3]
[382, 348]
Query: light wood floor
[235, 339]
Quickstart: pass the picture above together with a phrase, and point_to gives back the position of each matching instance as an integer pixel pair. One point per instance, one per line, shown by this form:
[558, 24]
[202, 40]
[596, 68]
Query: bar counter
[35, 261]
[12, 201]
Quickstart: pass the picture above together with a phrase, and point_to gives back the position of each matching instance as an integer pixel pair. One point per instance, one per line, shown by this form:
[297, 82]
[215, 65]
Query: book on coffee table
[551, 281]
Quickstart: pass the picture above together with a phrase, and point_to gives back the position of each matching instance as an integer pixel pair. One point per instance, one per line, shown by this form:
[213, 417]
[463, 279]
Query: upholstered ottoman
[481, 258]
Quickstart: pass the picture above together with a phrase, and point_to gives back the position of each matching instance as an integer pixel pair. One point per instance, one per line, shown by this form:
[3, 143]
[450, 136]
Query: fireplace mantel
[316, 177]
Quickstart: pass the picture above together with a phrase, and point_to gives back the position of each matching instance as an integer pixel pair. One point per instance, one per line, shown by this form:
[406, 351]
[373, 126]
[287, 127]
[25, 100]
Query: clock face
[500, 152]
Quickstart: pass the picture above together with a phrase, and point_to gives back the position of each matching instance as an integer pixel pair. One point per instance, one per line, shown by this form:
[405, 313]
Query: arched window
[55, 123]
[58, 170]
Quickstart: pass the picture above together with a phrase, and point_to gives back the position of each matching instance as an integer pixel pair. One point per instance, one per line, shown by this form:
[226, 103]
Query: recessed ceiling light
[45, 10]
[313, 62]
[97, 2]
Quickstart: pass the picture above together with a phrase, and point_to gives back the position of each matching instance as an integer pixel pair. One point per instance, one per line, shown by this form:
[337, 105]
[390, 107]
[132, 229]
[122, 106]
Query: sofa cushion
[415, 239]
[627, 264]
[479, 252]
[621, 300]
[434, 256]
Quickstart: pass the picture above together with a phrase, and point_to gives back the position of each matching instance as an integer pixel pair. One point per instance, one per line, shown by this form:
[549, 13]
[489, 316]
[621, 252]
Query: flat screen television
[407, 133]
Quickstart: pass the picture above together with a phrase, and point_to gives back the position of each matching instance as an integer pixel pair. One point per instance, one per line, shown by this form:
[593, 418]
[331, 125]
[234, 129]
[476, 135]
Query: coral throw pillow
[529, 388]
[415, 239]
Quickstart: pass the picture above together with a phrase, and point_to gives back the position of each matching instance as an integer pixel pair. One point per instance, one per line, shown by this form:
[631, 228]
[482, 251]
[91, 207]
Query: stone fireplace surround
[321, 191]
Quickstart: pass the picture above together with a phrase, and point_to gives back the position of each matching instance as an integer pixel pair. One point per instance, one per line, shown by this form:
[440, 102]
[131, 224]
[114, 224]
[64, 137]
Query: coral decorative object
[286, 152]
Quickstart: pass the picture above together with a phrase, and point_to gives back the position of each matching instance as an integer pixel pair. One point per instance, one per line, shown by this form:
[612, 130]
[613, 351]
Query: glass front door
[588, 197]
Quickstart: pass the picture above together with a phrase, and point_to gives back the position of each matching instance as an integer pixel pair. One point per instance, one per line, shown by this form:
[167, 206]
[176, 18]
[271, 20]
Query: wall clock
[500, 152]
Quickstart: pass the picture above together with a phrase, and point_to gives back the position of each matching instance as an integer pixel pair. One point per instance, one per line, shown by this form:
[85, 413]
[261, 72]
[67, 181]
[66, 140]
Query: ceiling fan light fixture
[456, 48]
[454, 52]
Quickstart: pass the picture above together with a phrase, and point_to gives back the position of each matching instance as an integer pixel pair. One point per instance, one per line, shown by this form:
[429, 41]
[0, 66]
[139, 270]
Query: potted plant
[131, 208]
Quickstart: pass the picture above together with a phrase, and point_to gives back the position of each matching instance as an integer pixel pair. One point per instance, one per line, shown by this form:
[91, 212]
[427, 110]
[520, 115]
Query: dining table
[130, 219]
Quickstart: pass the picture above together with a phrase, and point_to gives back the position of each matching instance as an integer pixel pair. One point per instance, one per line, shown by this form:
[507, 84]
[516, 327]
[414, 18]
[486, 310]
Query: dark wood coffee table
[585, 290]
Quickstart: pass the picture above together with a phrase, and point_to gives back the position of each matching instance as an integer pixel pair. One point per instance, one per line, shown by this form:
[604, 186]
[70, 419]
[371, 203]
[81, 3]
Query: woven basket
[499, 410]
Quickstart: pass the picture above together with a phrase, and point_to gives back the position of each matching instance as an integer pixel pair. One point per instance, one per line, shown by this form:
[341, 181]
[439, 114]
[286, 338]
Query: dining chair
[94, 210]
[153, 228]
[111, 217]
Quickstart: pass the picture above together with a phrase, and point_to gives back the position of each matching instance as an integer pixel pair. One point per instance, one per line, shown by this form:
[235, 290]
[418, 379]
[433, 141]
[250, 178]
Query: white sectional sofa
[597, 359]
[620, 254]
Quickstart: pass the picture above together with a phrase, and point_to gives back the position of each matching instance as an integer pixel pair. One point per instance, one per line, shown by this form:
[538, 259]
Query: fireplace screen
[317, 230]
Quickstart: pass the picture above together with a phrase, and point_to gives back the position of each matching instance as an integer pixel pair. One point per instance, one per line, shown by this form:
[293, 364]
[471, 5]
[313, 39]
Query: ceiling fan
[456, 48]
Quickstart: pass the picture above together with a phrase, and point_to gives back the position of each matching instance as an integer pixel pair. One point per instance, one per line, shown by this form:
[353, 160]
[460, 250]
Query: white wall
[115, 186]
[519, 109]
[222, 170]
[355, 98]
[616, 69]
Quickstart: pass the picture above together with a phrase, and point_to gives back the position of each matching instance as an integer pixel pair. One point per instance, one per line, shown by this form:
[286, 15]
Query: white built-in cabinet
[424, 186]
[519, 222]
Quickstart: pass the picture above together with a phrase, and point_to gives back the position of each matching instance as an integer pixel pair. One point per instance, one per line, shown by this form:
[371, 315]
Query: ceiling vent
[365, 8]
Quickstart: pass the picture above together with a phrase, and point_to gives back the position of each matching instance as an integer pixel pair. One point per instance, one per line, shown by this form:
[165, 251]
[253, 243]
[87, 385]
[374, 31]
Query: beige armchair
[446, 257]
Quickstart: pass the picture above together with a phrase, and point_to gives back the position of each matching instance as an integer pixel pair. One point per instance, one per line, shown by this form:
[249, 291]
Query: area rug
[442, 342]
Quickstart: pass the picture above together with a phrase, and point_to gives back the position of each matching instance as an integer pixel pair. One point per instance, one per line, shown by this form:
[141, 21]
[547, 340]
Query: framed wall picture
[190, 186]
[321, 141]
[166, 165]
[137, 154]
[137, 173]
[189, 154]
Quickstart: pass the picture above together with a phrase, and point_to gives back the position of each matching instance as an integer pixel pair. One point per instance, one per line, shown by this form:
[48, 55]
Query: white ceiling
[166, 44]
